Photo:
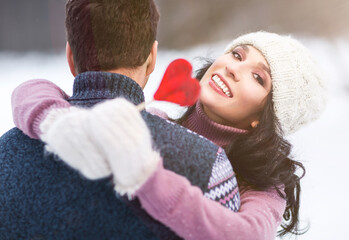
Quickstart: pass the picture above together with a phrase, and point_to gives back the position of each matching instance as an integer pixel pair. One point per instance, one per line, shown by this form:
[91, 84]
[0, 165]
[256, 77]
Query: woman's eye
[259, 79]
[237, 55]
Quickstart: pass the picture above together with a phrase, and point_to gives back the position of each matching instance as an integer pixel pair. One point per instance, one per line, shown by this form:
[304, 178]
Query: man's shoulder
[17, 150]
[15, 139]
[10, 134]
[182, 150]
[168, 131]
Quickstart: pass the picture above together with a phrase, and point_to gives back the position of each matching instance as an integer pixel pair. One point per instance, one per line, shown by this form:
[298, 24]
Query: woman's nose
[232, 71]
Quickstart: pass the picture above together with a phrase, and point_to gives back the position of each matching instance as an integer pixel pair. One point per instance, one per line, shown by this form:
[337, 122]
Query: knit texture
[41, 197]
[200, 123]
[67, 133]
[119, 124]
[195, 218]
[298, 84]
[223, 186]
[24, 115]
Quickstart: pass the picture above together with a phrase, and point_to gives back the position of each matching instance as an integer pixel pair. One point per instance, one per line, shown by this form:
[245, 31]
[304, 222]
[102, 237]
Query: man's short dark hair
[110, 34]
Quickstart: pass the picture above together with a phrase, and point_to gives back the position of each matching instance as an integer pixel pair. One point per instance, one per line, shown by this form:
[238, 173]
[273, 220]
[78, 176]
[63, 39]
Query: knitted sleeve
[31, 102]
[171, 199]
[223, 186]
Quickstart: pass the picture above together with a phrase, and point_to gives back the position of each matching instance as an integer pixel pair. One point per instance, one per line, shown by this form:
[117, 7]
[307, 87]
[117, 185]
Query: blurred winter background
[32, 45]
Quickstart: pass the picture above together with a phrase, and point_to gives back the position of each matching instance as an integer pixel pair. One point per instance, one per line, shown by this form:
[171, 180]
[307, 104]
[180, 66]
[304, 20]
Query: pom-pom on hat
[298, 85]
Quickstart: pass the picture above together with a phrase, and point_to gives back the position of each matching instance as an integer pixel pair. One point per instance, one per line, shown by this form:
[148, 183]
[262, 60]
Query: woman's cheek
[252, 96]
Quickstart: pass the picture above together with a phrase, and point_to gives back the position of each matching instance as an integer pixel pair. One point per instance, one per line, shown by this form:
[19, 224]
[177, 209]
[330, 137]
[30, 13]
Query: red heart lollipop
[177, 85]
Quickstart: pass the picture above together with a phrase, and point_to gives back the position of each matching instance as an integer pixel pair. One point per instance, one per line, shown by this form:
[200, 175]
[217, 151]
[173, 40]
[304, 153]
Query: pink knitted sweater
[166, 196]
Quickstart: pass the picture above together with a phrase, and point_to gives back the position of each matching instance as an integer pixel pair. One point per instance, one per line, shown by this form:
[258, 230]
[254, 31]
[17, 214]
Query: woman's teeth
[219, 83]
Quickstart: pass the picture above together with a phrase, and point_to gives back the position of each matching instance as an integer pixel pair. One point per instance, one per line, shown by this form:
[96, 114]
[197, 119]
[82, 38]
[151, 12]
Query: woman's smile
[234, 88]
[219, 85]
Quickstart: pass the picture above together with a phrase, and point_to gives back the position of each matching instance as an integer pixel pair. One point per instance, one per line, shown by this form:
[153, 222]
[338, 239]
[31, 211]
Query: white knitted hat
[298, 84]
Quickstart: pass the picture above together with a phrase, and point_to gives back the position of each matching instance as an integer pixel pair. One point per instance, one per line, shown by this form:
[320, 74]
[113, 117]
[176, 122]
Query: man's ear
[152, 58]
[70, 59]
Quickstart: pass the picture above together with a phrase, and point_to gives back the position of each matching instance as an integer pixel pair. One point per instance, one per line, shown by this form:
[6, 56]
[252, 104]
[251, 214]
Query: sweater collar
[93, 86]
[200, 123]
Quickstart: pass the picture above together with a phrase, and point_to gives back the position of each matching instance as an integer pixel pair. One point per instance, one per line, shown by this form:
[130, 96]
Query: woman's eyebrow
[245, 48]
[262, 65]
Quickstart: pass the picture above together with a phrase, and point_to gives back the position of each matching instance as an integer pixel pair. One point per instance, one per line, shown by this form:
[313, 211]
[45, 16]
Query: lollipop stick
[142, 105]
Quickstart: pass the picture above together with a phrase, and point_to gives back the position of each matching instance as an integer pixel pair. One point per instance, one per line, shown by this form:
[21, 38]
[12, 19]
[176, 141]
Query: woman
[264, 86]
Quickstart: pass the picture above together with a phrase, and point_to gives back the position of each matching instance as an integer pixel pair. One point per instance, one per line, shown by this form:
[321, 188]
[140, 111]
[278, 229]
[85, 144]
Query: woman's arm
[171, 199]
[167, 196]
[31, 102]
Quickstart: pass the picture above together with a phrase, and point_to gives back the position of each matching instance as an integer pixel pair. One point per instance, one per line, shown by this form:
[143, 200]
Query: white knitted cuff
[135, 184]
[66, 134]
[51, 117]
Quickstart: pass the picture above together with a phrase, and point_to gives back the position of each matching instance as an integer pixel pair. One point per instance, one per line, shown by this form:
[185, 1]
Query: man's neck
[95, 86]
[136, 74]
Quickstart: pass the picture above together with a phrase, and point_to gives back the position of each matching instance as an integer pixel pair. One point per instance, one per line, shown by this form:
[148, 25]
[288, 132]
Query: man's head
[105, 35]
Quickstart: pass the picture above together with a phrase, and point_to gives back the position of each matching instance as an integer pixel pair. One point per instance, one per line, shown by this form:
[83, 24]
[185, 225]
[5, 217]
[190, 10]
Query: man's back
[42, 198]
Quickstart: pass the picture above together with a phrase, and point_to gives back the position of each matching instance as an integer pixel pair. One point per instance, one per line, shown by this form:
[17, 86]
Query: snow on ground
[321, 146]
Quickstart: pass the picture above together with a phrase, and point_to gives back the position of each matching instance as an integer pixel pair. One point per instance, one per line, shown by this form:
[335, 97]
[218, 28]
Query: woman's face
[234, 89]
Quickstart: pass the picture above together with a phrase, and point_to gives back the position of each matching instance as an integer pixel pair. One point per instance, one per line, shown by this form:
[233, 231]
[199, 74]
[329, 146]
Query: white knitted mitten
[122, 135]
[66, 133]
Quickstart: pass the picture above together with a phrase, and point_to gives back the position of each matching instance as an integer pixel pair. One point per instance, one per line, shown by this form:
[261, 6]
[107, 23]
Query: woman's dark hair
[261, 160]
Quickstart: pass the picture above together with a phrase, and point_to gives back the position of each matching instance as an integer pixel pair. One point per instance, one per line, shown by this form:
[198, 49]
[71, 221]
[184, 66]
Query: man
[111, 51]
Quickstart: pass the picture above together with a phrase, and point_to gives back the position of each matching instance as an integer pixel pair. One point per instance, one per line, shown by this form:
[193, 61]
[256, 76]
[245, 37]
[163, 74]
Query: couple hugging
[91, 166]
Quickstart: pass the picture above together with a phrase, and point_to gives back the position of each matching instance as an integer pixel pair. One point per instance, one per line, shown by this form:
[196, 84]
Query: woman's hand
[121, 134]
[111, 138]
[66, 132]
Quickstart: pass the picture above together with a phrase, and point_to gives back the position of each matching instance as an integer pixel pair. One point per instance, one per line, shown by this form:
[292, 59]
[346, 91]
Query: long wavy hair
[261, 160]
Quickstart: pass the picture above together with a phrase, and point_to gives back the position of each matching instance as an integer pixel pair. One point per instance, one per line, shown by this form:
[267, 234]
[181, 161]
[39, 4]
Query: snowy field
[322, 146]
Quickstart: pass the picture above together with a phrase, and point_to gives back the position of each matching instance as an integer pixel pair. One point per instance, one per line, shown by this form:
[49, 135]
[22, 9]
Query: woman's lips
[218, 84]
[217, 89]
